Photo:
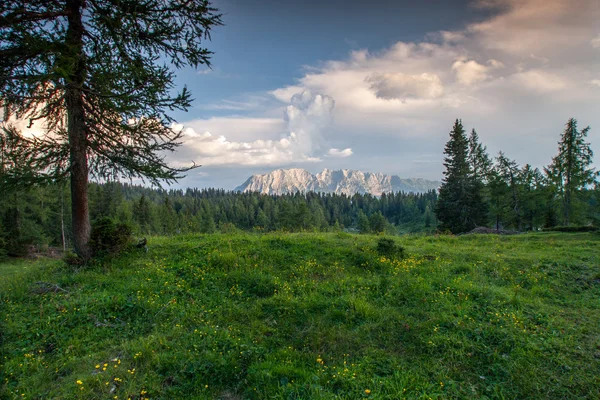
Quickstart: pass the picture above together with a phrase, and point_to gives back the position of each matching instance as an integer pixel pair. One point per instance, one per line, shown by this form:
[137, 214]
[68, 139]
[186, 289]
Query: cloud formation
[516, 76]
[306, 118]
[402, 86]
[340, 153]
[469, 72]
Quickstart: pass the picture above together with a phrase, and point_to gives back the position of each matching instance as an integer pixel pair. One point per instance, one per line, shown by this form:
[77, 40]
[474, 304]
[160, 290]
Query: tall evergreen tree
[571, 169]
[142, 214]
[364, 226]
[532, 199]
[478, 158]
[509, 172]
[377, 222]
[99, 74]
[458, 207]
[480, 165]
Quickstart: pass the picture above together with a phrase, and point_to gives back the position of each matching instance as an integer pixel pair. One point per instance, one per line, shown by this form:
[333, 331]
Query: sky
[377, 85]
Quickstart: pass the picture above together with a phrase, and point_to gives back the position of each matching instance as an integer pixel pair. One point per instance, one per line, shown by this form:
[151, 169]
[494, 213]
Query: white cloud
[469, 72]
[539, 81]
[402, 86]
[306, 120]
[595, 42]
[340, 153]
[307, 117]
[240, 129]
[210, 150]
[595, 82]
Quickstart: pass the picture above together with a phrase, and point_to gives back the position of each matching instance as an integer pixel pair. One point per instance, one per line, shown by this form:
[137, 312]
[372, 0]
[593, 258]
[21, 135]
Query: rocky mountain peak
[283, 181]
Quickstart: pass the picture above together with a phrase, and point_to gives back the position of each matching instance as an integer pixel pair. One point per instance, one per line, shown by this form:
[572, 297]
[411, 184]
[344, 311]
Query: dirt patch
[44, 252]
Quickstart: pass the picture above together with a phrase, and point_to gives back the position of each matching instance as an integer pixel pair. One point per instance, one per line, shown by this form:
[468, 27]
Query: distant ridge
[284, 181]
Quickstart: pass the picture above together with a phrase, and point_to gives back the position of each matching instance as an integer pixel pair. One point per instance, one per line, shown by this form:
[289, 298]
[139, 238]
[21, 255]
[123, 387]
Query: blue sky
[377, 85]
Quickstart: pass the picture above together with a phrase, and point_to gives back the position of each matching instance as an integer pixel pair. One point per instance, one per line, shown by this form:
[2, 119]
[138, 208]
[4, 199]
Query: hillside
[312, 316]
[345, 181]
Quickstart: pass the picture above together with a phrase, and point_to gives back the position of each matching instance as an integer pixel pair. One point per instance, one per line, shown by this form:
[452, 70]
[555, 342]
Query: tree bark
[77, 131]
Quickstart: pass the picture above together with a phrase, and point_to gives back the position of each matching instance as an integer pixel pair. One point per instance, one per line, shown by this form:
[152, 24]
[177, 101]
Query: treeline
[41, 215]
[498, 193]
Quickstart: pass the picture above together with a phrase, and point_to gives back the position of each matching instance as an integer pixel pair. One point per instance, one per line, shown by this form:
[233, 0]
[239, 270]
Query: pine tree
[478, 158]
[508, 171]
[570, 170]
[480, 165]
[458, 206]
[364, 226]
[428, 217]
[532, 199]
[261, 219]
[168, 218]
[98, 75]
[377, 222]
[141, 213]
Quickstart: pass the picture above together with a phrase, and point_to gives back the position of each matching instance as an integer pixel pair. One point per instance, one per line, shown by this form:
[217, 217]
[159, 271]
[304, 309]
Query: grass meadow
[309, 316]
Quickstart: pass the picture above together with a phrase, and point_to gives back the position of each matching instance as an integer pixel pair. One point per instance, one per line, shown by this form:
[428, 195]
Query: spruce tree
[480, 165]
[532, 199]
[478, 158]
[364, 226]
[377, 222]
[142, 214]
[457, 206]
[509, 172]
[98, 76]
[570, 170]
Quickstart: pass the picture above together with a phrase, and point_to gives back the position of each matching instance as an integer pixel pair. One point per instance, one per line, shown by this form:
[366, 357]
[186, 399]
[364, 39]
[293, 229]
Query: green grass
[309, 316]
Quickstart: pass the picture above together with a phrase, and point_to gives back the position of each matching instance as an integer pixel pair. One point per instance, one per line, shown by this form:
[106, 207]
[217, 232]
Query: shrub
[229, 228]
[73, 259]
[388, 247]
[109, 237]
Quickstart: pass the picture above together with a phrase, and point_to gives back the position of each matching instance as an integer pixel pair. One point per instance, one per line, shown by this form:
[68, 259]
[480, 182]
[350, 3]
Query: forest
[480, 191]
[476, 191]
[40, 215]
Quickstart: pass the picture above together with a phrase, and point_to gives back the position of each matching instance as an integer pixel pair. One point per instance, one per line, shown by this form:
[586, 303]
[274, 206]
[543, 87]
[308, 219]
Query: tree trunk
[62, 218]
[567, 219]
[77, 132]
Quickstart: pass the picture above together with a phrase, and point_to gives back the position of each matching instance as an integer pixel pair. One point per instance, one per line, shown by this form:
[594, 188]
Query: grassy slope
[310, 316]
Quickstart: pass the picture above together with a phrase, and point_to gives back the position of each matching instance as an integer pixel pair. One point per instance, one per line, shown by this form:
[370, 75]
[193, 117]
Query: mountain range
[284, 181]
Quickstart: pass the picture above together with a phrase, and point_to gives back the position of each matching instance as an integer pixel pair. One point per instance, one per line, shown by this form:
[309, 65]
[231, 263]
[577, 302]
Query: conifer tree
[377, 222]
[532, 200]
[478, 158]
[457, 205]
[480, 165]
[142, 214]
[509, 171]
[98, 77]
[364, 226]
[570, 170]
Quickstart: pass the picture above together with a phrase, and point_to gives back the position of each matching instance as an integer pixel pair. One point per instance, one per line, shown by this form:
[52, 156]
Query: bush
[73, 259]
[387, 247]
[109, 237]
[229, 228]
